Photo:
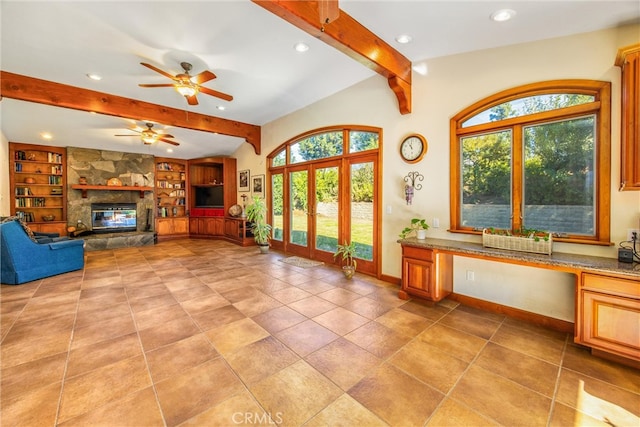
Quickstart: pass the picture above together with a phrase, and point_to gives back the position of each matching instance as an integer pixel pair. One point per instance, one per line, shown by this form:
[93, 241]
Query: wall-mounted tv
[210, 197]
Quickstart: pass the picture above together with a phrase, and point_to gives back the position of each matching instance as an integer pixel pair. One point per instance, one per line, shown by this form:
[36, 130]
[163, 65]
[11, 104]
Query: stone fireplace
[98, 167]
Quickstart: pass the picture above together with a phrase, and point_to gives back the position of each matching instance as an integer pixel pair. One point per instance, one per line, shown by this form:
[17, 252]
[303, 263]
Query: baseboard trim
[516, 313]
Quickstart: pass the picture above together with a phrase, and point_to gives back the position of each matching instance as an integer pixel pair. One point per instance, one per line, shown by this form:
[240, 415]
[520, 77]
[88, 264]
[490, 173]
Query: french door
[319, 205]
[314, 206]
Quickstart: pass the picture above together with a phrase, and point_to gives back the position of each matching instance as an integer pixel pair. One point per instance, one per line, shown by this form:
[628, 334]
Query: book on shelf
[25, 216]
[54, 158]
[23, 191]
[30, 202]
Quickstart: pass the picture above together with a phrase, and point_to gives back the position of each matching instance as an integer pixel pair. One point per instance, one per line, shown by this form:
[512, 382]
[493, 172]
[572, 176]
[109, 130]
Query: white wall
[5, 208]
[453, 83]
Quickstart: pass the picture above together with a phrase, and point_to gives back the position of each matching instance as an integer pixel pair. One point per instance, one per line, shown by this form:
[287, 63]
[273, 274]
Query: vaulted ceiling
[251, 51]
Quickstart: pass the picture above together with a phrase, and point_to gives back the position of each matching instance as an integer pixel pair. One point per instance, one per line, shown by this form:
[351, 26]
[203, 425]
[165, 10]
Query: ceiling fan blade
[127, 135]
[165, 135]
[215, 93]
[158, 70]
[168, 141]
[192, 100]
[204, 76]
[157, 85]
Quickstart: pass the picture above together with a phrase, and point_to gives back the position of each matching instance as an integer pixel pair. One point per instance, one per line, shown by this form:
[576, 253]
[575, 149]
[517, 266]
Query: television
[210, 197]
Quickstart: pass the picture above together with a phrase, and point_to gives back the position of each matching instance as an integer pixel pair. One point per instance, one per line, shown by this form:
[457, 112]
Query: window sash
[599, 109]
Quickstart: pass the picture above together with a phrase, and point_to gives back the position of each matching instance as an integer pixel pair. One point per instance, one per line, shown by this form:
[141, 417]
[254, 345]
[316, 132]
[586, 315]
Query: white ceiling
[249, 49]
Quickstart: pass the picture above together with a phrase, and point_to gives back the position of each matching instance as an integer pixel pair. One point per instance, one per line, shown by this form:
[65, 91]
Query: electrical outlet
[630, 232]
[471, 276]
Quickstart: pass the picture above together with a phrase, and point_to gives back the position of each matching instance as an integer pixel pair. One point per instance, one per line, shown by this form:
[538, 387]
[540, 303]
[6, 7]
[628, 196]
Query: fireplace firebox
[113, 217]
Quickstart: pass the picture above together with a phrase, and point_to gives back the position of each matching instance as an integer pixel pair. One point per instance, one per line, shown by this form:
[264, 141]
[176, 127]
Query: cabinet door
[180, 226]
[193, 226]
[416, 277]
[231, 228]
[629, 60]
[611, 323]
[218, 226]
[163, 226]
[210, 226]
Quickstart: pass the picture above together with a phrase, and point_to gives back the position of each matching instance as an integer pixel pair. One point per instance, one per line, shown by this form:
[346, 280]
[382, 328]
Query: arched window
[536, 157]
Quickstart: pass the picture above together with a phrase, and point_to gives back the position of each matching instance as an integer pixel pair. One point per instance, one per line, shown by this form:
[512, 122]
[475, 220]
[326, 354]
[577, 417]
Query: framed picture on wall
[257, 185]
[243, 180]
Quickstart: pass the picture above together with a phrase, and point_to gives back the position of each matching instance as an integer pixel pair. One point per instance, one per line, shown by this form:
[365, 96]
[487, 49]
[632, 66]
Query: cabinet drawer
[417, 253]
[612, 323]
[611, 285]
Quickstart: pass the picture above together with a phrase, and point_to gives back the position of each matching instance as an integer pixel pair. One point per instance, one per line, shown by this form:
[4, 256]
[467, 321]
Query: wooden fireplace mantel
[85, 188]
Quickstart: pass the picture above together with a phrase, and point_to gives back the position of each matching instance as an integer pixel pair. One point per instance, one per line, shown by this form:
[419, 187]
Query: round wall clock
[413, 148]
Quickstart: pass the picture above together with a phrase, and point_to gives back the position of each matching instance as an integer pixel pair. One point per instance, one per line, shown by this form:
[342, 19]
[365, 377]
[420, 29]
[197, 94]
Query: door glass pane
[316, 147]
[326, 209]
[486, 180]
[298, 208]
[362, 208]
[277, 200]
[559, 187]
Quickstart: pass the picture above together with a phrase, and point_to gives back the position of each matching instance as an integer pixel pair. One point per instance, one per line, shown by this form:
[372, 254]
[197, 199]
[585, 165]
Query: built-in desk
[607, 291]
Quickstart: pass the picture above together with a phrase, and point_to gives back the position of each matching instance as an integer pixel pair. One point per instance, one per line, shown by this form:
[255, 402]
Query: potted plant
[418, 225]
[347, 251]
[257, 215]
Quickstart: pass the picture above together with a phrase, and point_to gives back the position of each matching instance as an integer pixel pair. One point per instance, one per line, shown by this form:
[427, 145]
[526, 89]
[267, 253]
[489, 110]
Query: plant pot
[421, 234]
[348, 271]
[263, 249]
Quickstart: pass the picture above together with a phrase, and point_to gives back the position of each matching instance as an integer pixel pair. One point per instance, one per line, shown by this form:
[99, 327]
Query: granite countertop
[558, 259]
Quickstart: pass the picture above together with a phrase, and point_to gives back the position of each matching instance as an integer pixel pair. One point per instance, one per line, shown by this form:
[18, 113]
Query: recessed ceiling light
[169, 150]
[503, 15]
[221, 107]
[94, 76]
[301, 47]
[404, 38]
[46, 135]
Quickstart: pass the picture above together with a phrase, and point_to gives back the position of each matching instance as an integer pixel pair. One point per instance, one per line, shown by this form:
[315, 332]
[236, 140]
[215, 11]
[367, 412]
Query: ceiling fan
[188, 85]
[149, 136]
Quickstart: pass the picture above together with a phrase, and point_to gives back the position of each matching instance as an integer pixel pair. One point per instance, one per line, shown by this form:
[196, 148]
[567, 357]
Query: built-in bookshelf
[38, 185]
[171, 197]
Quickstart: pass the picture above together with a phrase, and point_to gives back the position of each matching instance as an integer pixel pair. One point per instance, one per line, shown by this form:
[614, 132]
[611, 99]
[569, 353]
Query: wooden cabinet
[203, 226]
[610, 315]
[426, 273]
[213, 173]
[238, 230]
[37, 181]
[172, 226]
[628, 59]
[171, 197]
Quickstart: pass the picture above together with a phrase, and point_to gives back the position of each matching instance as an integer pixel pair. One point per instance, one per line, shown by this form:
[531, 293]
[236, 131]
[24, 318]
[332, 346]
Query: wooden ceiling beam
[353, 39]
[30, 89]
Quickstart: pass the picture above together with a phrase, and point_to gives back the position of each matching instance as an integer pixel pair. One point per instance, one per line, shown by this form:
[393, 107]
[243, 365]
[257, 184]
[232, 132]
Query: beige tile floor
[197, 332]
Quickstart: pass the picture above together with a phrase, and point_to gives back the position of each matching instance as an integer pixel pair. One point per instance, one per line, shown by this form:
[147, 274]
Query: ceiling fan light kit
[187, 85]
[149, 136]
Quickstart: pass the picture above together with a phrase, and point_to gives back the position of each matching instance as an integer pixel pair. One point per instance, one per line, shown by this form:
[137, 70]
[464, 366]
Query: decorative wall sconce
[411, 186]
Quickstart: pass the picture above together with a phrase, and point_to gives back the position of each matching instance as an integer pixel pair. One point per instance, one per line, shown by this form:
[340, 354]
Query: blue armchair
[23, 260]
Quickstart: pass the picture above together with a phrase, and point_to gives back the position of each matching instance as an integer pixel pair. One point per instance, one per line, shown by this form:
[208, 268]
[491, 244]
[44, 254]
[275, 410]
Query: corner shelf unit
[171, 197]
[37, 180]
